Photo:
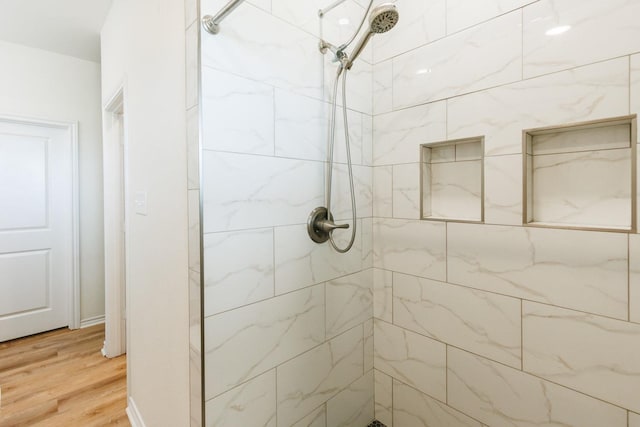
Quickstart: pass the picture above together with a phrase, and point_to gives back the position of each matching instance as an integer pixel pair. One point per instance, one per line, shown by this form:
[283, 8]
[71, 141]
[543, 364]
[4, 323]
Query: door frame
[116, 293]
[73, 291]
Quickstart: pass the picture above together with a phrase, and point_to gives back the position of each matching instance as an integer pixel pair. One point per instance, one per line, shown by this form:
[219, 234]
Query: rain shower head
[382, 19]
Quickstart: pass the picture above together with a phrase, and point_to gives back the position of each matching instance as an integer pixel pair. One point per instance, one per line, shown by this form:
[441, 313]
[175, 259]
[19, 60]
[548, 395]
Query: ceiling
[69, 27]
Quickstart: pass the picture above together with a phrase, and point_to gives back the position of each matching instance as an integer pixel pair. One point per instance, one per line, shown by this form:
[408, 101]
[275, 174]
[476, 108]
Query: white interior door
[36, 228]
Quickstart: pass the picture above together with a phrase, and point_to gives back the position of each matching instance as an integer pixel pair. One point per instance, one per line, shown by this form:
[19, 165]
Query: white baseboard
[91, 321]
[134, 415]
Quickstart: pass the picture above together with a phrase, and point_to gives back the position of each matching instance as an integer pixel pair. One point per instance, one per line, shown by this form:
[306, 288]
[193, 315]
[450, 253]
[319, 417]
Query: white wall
[143, 47]
[40, 84]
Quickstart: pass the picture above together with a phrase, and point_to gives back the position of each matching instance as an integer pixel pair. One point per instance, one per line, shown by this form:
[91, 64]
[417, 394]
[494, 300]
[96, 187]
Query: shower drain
[376, 423]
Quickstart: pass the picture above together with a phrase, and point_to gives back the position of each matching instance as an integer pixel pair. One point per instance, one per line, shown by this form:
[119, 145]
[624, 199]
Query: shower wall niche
[452, 180]
[581, 175]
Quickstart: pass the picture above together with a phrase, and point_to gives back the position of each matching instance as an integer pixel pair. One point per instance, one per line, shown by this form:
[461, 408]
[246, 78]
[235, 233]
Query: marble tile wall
[288, 330]
[494, 323]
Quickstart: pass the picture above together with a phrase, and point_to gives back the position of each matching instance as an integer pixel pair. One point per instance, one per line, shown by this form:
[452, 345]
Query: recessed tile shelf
[452, 179]
[581, 175]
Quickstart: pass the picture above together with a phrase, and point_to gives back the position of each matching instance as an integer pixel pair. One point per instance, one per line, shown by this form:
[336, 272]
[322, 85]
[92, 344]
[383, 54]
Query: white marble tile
[593, 92]
[383, 87]
[411, 358]
[317, 418]
[635, 85]
[302, 14]
[604, 137]
[468, 151]
[634, 278]
[412, 408]
[301, 126]
[582, 270]
[591, 23]
[194, 230]
[366, 231]
[283, 191]
[210, 7]
[195, 314]
[483, 56]
[274, 331]
[634, 420]
[354, 120]
[397, 136]
[465, 13]
[195, 389]
[301, 262]
[339, 25]
[503, 190]
[341, 192]
[442, 154]
[367, 140]
[353, 406]
[191, 66]
[383, 191]
[420, 22]
[313, 378]
[279, 54]
[383, 398]
[591, 354]
[368, 344]
[237, 114]
[406, 191]
[501, 396]
[383, 295]
[250, 404]
[411, 247]
[456, 190]
[484, 323]
[233, 275]
[193, 148]
[349, 302]
[591, 188]
[359, 86]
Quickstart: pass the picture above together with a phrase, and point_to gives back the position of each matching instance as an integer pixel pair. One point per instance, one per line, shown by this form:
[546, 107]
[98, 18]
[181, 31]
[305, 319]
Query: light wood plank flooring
[60, 378]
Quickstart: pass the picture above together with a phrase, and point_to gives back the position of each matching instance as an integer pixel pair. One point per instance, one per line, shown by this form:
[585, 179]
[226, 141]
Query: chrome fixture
[212, 23]
[320, 224]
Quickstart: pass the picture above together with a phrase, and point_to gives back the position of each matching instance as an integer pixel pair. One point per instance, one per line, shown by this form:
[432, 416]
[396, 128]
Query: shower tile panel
[366, 230]
[462, 13]
[406, 191]
[635, 86]
[421, 22]
[411, 247]
[589, 188]
[383, 87]
[317, 418]
[503, 190]
[442, 154]
[383, 387]
[634, 278]
[383, 191]
[484, 323]
[279, 54]
[239, 269]
[194, 229]
[368, 345]
[383, 295]
[243, 343]
[339, 24]
[576, 269]
[300, 262]
[487, 55]
[469, 151]
[501, 396]
[355, 137]
[300, 126]
[250, 404]
[311, 379]
[243, 185]
[193, 149]
[397, 136]
[239, 114]
[588, 93]
[359, 86]
[353, 406]
[607, 137]
[341, 192]
[456, 191]
[598, 30]
[412, 408]
[595, 355]
[634, 420]
[411, 358]
[367, 140]
[349, 302]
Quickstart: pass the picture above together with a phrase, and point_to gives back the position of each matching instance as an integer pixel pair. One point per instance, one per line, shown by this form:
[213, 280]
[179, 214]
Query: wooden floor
[60, 378]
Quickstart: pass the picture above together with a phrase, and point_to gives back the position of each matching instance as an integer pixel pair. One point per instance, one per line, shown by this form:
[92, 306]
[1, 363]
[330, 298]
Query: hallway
[60, 378]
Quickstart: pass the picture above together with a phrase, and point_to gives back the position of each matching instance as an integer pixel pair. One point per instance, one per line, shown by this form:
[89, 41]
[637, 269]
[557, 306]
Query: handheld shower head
[382, 19]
